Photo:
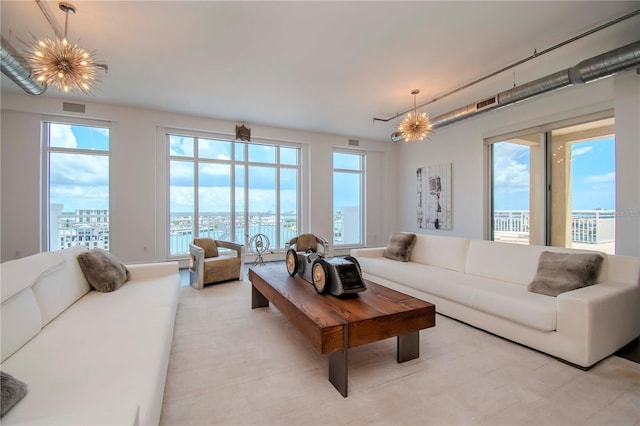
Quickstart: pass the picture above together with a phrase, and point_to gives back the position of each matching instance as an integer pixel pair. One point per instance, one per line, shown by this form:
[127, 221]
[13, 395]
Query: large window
[556, 187]
[348, 198]
[76, 172]
[231, 191]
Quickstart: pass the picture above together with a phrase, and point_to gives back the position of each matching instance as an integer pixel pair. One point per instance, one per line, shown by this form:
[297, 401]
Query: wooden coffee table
[333, 325]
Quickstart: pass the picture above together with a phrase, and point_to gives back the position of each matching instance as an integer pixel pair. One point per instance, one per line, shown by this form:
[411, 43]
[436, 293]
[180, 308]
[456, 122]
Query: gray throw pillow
[103, 271]
[13, 390]
[561, 272]
[400, 246]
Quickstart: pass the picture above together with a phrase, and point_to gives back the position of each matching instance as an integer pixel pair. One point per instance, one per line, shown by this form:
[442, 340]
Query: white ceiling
[320, 66]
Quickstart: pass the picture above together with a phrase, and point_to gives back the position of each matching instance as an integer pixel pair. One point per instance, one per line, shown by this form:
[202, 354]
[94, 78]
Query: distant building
[88, 227]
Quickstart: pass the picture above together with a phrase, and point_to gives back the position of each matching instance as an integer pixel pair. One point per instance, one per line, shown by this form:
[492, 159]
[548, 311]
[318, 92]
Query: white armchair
[210, 265]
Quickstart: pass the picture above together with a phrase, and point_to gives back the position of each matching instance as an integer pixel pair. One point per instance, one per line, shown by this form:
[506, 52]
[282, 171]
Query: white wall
[138, 199]
[462, 144]
[627, 110]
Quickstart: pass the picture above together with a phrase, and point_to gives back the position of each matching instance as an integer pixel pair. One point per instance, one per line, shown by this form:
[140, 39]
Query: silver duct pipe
[13, 69]
[605, 65]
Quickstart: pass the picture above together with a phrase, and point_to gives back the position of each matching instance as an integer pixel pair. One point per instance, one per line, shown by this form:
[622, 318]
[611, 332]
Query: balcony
[590, 229]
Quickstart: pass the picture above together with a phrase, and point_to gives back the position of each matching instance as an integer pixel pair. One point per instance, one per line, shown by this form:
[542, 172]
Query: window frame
[45, 168]
[233, 163]
[363, 178]
[544, 130]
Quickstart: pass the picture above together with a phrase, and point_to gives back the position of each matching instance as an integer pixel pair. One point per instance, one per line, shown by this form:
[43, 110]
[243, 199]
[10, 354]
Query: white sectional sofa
[484, 284]
[86, 357]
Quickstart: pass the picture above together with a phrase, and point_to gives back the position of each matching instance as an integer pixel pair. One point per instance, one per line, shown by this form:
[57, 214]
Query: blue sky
[81, 181]
[592, 175]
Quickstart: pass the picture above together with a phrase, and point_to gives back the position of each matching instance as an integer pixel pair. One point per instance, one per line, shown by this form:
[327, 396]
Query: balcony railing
[587, 226]
[218, 226]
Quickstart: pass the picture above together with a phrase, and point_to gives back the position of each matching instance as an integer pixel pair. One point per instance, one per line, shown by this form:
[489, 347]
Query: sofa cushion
[437, 250]
[502, 299]
[20, 321]
[561, 272]
[513, 263]
[13, 390]
[22, 273]
[209, 246]
[400, 246]
[56, 291]
[104, 272]
[106, 349]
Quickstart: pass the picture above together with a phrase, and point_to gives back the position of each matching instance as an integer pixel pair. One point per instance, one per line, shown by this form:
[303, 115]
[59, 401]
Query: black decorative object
[243, 133]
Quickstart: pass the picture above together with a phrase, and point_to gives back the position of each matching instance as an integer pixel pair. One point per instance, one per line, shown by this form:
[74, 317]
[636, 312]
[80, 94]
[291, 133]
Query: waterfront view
[591, 229]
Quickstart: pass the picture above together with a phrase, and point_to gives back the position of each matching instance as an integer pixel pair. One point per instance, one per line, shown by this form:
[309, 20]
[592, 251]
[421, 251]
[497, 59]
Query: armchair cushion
[209, 246]
[306, 242]
[222, 268]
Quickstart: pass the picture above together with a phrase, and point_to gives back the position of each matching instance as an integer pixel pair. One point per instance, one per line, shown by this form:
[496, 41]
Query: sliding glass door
[556, 187]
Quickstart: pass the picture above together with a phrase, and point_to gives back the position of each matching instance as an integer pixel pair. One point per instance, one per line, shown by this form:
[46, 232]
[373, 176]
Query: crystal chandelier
[56, 62]
[415, 127]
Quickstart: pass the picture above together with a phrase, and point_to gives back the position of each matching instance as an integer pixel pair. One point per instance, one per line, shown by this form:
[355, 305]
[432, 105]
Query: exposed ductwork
[604, 65]
[13, 68]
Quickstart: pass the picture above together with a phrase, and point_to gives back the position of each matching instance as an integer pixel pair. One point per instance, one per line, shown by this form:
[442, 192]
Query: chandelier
[56, 62]
[415, 127]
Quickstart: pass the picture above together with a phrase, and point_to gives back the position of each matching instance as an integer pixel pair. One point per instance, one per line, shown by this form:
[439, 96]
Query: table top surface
[326, 310]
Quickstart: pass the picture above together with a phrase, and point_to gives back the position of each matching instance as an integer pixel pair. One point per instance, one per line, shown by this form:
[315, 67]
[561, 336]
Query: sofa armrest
[142, 271]
[607, 315]
[368, 252]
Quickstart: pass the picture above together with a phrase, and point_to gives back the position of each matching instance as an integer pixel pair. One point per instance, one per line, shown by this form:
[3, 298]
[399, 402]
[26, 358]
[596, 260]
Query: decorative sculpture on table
[337, 276]
[259, 244]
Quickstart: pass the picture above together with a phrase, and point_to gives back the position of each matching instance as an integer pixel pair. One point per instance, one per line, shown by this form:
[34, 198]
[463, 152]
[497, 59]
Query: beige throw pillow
[400, 246]
[209, 245]
[103, 271]
[561, 272]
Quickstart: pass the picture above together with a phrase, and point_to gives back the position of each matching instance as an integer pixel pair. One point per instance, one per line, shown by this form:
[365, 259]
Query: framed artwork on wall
[434, 197]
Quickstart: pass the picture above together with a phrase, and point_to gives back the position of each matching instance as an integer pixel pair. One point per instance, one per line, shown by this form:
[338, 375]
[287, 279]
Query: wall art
[434, 197]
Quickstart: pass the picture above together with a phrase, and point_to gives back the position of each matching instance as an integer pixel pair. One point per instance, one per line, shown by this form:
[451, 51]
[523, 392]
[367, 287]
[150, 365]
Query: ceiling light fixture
[415, 127]
[56, 62]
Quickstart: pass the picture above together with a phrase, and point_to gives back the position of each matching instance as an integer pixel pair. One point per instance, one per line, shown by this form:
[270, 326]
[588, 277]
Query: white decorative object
[259, 244]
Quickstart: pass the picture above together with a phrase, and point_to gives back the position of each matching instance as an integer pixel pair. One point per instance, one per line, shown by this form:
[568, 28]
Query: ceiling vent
[486, 103]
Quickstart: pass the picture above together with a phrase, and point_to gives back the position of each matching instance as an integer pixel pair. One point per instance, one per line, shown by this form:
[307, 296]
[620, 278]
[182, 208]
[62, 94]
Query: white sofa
[86, 357]
[484, 284]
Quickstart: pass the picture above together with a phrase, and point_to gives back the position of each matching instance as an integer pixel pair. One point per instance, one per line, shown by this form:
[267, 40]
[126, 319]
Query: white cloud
[62, 136]
[609, 177]
[509, 175]
[582, 150]
[78, 169]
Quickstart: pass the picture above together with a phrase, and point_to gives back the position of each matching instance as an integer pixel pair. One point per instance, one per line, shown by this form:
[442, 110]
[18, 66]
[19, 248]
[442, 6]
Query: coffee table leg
[338, 371]
[409, 346]
[339, 365]
[257, 299]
